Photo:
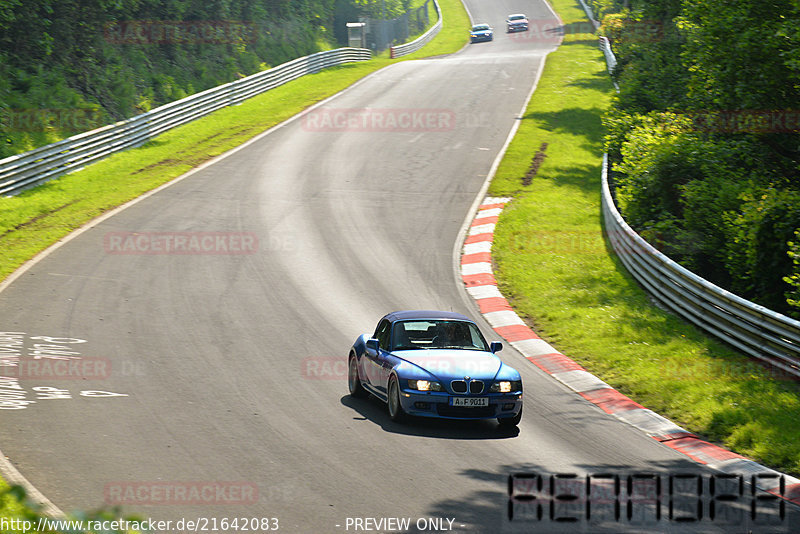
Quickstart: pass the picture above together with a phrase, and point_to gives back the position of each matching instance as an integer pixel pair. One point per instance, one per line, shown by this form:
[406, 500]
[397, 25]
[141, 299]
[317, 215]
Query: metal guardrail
[590, 14]
[754, 329]
[41, 164]
[611, 59]
[604, 43]
[419, 42]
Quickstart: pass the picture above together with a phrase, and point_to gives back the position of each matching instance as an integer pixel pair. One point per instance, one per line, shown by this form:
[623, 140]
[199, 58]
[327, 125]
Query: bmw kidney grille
[475, 387]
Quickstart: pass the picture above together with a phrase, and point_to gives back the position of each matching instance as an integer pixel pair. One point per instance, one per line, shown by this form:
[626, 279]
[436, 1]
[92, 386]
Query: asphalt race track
[212, 379]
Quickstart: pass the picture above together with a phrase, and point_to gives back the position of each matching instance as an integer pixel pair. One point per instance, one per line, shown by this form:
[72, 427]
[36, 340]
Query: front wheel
[396, 412]
[353, 381]
[510, 422]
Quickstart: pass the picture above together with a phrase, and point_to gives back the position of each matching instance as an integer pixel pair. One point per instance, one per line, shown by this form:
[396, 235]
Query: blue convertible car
[435, 364]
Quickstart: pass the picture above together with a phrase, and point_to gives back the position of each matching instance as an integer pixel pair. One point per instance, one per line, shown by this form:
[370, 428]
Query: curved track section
[208, 380]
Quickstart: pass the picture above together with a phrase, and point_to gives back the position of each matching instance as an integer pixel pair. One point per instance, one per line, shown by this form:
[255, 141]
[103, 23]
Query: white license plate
[469, 402]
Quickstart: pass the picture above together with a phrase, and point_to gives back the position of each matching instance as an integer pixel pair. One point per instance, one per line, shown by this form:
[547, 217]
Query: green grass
[453, 35]
[35, 219]
[558, 273]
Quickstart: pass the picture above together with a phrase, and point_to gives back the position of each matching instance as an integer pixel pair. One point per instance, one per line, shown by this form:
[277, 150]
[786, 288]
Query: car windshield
[516, 17]
[480, 27]
[437, 334]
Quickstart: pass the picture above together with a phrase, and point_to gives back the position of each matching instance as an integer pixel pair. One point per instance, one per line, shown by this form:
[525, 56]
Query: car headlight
[506, 386]
[424, 385]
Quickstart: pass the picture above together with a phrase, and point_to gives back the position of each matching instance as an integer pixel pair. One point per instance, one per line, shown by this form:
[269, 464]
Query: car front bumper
[437, 404]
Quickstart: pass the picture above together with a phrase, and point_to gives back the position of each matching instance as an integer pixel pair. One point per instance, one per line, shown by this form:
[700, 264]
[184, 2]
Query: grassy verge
[556, 269]
[454, 33]
[35, 219]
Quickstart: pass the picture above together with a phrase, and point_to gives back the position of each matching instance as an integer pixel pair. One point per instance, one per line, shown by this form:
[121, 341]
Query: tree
[741, 54]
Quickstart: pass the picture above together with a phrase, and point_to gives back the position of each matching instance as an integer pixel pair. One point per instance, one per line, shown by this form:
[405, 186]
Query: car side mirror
[373, 346]
[495, 346]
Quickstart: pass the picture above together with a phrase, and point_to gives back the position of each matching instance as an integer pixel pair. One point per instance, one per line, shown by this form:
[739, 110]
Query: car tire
[396, 412]
[510, 422]
[353, 381]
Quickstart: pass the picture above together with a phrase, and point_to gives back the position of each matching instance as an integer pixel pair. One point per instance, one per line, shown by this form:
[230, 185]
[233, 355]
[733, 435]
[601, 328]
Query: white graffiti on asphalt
[13, 396]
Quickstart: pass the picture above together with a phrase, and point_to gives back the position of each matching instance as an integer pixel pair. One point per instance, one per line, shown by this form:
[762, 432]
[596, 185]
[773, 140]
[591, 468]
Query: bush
[25, 517]
[707, 202]
[659, 156]
[759, 259]
[721, 198]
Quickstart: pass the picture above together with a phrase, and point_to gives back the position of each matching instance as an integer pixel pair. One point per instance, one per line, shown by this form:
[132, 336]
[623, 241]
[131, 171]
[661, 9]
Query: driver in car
[452, 334]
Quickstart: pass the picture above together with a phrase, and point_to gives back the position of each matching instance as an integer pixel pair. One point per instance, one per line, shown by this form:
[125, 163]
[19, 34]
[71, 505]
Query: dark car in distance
[480, 32]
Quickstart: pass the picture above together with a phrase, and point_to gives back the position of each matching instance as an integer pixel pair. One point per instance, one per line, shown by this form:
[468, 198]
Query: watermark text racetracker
[39, 120]
[180, 493]
[85, 368]
[335, 367]
[158, 243]
[327, 119]
[181, 32]
[551, 31]
[32, 357]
